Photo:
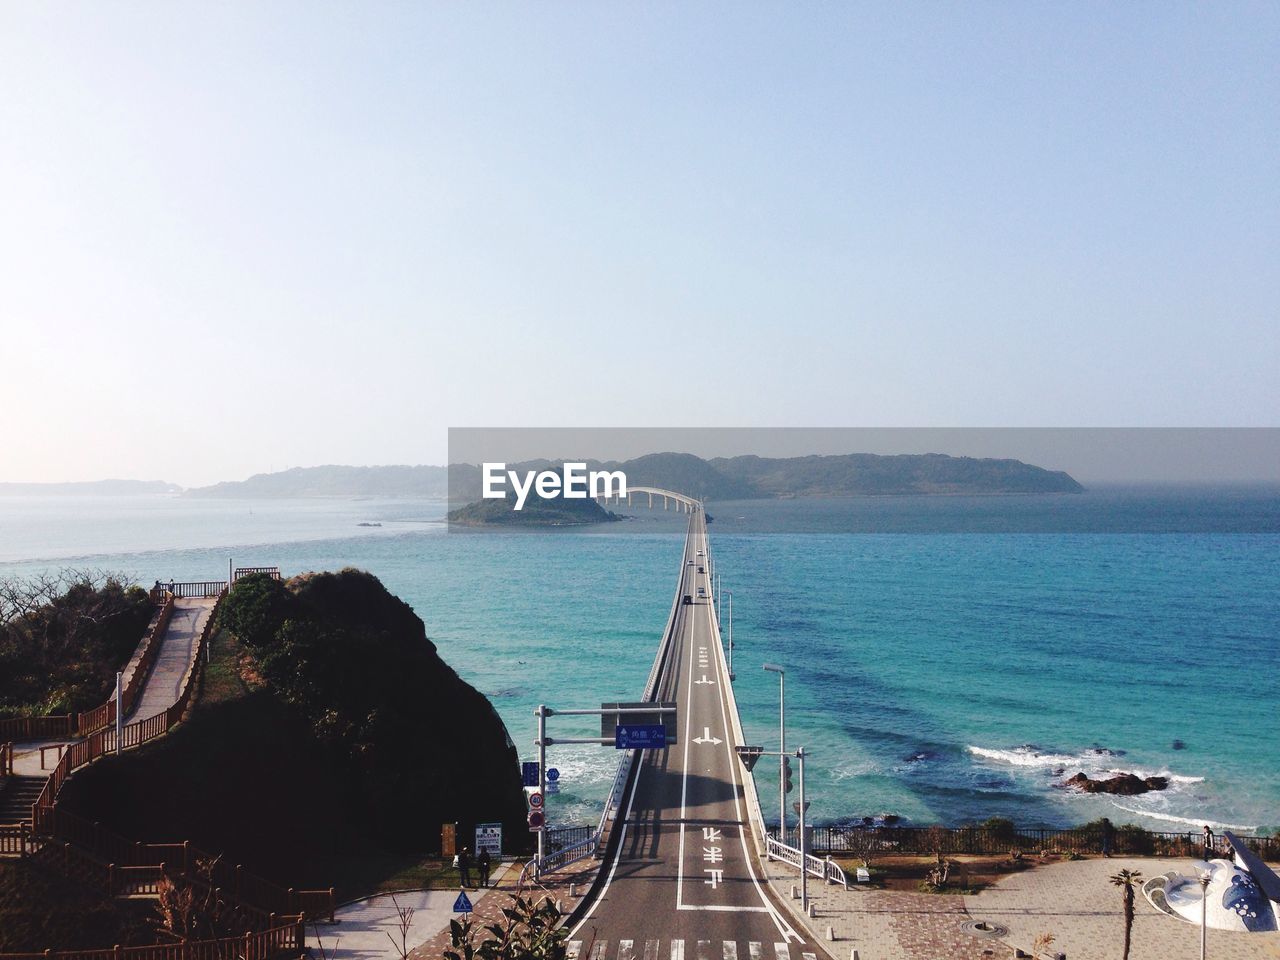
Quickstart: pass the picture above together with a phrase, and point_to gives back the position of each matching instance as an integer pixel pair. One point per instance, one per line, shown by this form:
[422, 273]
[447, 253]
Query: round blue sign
[553, 774]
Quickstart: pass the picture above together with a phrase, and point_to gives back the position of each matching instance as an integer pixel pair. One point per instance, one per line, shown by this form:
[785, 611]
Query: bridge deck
[684, 870]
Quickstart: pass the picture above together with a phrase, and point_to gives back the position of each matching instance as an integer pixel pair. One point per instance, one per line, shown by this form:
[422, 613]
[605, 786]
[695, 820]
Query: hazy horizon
[1090, 455]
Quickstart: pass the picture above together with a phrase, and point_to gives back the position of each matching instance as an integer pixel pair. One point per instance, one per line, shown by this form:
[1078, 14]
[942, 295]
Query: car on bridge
[688, 598]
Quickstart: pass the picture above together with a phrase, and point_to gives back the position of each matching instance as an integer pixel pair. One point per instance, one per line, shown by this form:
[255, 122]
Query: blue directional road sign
[630, 736]
[529, 773]
[552, 774]
[462, 904]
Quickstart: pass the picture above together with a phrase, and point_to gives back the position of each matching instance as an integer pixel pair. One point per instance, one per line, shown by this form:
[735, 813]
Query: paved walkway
[1073, 900]
[371, 928]
[177, 650]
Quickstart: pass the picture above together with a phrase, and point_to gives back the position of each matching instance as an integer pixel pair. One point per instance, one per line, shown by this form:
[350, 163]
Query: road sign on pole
[537, 820]
[535, 800]
[749, 755]
[644, 736]
[553, 774]
[529, 773]
[462, 904]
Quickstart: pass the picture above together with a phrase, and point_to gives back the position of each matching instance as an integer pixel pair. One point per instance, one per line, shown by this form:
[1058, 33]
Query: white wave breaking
[1196, 822]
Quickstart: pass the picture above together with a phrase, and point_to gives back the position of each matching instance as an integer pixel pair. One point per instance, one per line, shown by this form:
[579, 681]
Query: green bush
[62, 639]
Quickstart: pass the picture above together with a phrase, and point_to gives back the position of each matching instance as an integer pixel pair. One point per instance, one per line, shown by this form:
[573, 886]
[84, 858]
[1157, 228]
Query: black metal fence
[855, 841]
[560, 837]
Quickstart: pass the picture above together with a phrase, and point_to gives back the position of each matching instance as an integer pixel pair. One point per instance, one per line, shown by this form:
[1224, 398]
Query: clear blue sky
[324, 232]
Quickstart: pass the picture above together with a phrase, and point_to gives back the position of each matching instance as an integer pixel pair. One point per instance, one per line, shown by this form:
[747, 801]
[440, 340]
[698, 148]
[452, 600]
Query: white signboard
[489, 837]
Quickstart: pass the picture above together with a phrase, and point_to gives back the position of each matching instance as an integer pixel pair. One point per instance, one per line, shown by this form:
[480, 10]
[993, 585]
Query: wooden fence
[107, 852]
[272, 572]
[18, 729]
[188, 589]
[135, 674]
[286, 939]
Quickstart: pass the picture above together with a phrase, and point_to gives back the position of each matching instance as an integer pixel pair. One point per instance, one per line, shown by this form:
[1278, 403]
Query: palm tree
[1126, 879]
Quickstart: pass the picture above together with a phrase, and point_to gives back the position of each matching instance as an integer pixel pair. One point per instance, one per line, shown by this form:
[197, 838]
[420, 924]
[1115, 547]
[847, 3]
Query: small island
[537, 512]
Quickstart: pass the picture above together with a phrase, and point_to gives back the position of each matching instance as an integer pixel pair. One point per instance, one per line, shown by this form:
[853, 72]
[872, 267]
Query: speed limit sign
[535, 801]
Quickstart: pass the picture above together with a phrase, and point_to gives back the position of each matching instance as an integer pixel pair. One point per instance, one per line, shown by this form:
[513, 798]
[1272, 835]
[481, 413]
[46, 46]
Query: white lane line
[622, 839]
[677, 950]
[684, 778]
[731, 950]
[626, 950]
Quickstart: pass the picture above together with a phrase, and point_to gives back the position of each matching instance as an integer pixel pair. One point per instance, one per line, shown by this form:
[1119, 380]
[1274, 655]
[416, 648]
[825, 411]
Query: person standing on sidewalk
[483, 860]
[1208, 842]
[1108, 837]
[464, 866]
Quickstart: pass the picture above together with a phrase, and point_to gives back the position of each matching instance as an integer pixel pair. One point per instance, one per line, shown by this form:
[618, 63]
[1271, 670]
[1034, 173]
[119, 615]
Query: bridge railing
[754, 814]
[824, 869]
[620, 779]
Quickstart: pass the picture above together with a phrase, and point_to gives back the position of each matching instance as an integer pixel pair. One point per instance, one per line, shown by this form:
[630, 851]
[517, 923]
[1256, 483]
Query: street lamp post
[782, 743]
[1204, 912]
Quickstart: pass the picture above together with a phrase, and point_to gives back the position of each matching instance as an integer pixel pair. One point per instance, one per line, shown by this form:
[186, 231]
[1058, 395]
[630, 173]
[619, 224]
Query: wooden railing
[285, 939]
[272, 572]
[107, 851]
[188, 589]
[38, 728]
[135, 674]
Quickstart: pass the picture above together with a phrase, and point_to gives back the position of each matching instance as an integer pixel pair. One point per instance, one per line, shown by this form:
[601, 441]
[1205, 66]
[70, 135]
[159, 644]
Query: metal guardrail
[851, 839]
[826, 869]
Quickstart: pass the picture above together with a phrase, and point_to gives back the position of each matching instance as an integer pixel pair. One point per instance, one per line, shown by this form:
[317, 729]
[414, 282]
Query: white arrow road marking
[704, 680]
[707, 737]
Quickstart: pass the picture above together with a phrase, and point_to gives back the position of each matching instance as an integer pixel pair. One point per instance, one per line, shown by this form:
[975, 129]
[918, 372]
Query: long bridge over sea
[682, 836]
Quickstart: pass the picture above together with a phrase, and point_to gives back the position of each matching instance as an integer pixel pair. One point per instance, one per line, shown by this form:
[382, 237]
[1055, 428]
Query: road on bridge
[683, 880]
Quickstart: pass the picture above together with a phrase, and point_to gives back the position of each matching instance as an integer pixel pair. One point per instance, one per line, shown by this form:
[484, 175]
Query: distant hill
[867, 474]
[89, 488]
[335, 481]
[732, 478]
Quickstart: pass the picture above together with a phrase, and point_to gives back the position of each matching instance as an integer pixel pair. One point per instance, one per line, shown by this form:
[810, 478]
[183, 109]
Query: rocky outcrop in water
[1122, 784]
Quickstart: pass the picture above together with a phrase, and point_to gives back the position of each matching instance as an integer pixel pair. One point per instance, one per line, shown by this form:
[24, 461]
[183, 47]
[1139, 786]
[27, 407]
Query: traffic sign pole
[542, 781]
[804, 864]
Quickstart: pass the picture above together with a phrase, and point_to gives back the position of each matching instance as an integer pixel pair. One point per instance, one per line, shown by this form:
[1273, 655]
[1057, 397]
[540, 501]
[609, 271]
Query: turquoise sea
[933, 672]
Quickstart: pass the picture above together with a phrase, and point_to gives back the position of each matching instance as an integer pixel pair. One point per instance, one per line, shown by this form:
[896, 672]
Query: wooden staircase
[16, 797]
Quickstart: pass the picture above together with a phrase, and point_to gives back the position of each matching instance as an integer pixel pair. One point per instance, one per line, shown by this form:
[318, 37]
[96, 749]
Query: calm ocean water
[936, 674]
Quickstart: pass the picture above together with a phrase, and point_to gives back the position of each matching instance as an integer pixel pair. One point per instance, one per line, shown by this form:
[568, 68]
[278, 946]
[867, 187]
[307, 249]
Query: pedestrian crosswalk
[678, 950]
